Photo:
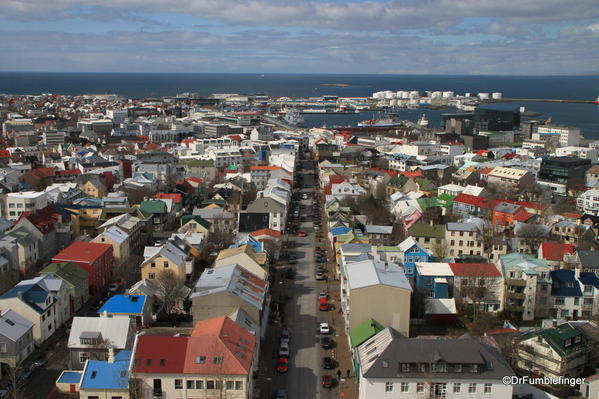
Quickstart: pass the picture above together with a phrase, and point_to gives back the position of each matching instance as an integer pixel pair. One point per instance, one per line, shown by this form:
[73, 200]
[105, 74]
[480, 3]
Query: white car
[324, 328]
[284, 349]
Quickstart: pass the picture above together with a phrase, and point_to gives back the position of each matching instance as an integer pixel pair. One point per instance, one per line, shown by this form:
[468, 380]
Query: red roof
[523, 216]
[485, 171]
[219, 337]
[265, 167]
[176, 197]
[235, 137]
[44, 219]
[473, 200]
[267, 232]
[194, 180]
[502, 331]
[4, 154]
[81, 251]
[68, 172]
[572, 215]
[43, 172]
[511, 155]
[474, 270]
[412, 174]
[387, 171]
[336, 179]
[555, 250]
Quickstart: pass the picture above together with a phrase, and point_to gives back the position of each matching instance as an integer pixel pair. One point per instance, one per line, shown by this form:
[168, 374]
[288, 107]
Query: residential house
[375, 289]
[95, 258]
[277, 211]
[17, 203]
[76, 280]
[159, 211]
[587, 260]
[194, 224]
[120, 242]
[511, 178]
[136, 307]
[434, 279]
[527, 285]
[29, 243]
[137, 230]
[106, 379]
[166, 256]
[555, 253]
[463, 239]
[590, 292]
[506, 214]
[217, 359]
[16, 338]
[220, 219]
[553, 352]
[480, 284]
[390, 365]
[245, 256]
[379, 235]
[429, 236]
[91, 338]
[466, 205]
[222, 290]
[566, 294]
[413, 252]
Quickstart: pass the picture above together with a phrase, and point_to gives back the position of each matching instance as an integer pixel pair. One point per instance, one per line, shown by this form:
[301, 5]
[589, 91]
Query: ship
[388, 122]
[423, 121]
[293, 117]
[597, 101]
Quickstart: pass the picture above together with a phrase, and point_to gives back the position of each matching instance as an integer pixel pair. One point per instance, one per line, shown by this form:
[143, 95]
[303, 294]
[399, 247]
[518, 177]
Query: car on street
[328, 363]
[301, 233]
[323, 306]
[326, 343]
[282, 365]
[114, 287]
[285, 336]
[324, 328]
[327, 381]
[284, 349]
[292, 261]
[319, 276]
[305, 196]
[289, 273]
[281, 394]
[322, 295]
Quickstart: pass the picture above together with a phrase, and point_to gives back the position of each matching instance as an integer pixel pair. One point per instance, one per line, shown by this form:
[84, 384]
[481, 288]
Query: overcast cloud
[410, 36]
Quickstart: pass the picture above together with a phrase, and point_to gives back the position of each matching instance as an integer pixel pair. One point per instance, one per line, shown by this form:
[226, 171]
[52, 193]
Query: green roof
[426, 203]
[197, 162]
[198, 219]
[426, 230]
[69, 272]
[153, 206]
[364, 331]
[425, 184]
[218, 202]
[446, 200]
[22, 236]
[557, 337]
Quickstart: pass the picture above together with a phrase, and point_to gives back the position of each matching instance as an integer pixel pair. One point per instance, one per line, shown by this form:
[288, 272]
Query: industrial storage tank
[497, 96]
[468, 95]
[389, 95]
[483, 96]
[436, 94]
[404, 94]
[448, 94]
[414, 94]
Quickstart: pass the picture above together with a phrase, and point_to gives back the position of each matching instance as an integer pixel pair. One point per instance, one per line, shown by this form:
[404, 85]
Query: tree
[16, 386]
[8, 279]
[136, 195]
[440, 248]
[167, 283]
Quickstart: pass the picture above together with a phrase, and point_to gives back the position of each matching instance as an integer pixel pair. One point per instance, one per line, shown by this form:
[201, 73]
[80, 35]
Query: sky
[511, 37]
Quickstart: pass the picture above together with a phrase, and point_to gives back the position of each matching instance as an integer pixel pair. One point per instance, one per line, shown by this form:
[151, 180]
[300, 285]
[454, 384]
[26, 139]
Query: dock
[538, 100]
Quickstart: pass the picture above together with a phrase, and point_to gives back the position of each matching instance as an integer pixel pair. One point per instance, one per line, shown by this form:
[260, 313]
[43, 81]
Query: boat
[293, 117]
[388, 122]
[423, 121]
[597, 101]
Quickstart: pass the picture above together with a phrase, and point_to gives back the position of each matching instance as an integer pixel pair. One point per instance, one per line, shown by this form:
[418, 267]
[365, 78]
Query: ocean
[585, 116]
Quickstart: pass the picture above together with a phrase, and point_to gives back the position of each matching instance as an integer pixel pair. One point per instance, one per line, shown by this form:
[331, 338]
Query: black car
[328, 363]
[289, 273]
[326, 343]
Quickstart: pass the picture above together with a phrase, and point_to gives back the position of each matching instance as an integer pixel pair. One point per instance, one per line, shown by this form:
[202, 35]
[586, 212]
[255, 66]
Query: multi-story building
[588, 201]
[463, 239]
[17, 203]
[510, 178]
[567, 135]
[393, 366]
[562, 170]
[16, 338]
[527, 285]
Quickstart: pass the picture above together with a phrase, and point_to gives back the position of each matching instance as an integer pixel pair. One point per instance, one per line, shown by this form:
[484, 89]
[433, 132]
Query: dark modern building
[564, 169]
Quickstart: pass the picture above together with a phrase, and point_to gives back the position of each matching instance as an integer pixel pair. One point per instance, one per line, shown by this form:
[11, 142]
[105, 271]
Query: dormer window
[405, 367]
[457, 368]
[577, 339]
[474, 368]
[567, 343]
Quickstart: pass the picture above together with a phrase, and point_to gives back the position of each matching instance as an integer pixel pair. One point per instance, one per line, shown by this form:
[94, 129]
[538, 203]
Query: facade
[17, 203]
[413, 252]
[392, 366]
[480, 284]
[562, 170]
[245, 256]
[16, 338]
[566, 135]
[588, 202]
[95, 258]
[511, 178]
[76, 280]
[167, 256]
[463, 239]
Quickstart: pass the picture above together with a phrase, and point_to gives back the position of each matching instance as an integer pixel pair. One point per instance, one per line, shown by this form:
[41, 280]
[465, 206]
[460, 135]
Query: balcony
[516, 295]
[515, 282]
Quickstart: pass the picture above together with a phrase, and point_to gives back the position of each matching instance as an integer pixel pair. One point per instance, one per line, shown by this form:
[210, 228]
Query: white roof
[434, 269]
[116, 234]
[114, 329]
[370, 272]
[440, 306]
[452, 187]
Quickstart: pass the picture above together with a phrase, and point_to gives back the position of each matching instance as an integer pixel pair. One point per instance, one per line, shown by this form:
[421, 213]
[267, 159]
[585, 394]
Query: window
[83, 356]
[405, 367]
[588, 289]
[404, 387]
[210, 384]
[200, 359]
[488, 388]
[191, 384]
[421, 367]
[151, 275]
[457, 387]
[458, 368]
[474, 368]
[165, 264]
[471, 388]
[199, 384]
[420, 387]
[217, 360]
[153, 264]
[229, 385]
[238, 385]
[178, 384]
[3, 347]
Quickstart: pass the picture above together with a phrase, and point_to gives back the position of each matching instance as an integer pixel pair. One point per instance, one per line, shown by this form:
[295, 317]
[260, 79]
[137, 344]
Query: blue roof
[565, 283]
[129, 304]
[106, 375]
[70, 377]
[337, 231]
[589, 278]
[31, 294]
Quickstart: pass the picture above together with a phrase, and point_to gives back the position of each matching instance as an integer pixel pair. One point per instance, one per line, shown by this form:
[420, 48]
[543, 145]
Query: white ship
[597, 101]
[379, 123]
[293, 117]
[423, 121]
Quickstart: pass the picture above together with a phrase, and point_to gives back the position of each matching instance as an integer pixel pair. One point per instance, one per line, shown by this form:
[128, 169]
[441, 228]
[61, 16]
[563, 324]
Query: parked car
[285, 337]
[323, 295]
[320, 276]
[328, 363]
[324, 328]
[284, 349]
[301, 233]
[282, 365]
[326, 343]
[281, 394]
[323, 306]
[327, 381]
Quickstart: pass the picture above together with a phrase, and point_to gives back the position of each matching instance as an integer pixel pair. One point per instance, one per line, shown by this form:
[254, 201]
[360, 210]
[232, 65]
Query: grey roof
[506, 207]
[588, 259]
[370, 273]
[359, 248]
[13, 326]
[384, 362]
[462, 227]
[377, 229]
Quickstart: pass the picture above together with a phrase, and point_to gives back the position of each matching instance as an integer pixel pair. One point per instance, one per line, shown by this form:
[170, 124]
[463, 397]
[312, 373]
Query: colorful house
[94, 258]
[412, 253]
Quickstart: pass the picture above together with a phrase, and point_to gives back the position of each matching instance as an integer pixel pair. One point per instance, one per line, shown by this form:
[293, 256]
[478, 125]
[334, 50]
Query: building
[390, 365]
[245, 256]
[92, 338]
[553, 352]
[378, 290]
[480, 284]
[510, 178]
[588, 202]
[563, 170]
[16, 338]
[76, 280]
[106, 379]
[413, 252]
[137, 307]
[166, 256]
[95, 258]
[566, 135]
[379, 235]
[429, 236]
[463, 239]
[17, 203]
[217, 360]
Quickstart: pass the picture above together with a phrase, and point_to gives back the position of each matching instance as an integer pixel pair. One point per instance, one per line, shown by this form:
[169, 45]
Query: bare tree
[440, 248]
[16, 386]
[167, 283]
[8, 279]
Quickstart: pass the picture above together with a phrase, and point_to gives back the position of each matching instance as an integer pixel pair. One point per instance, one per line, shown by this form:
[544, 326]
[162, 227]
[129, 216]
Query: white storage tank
[389, 95]
[448, 94]
[414, 94]
[468, 95]
[483, 96]
[405, 94]
[436, 94]
[497, 95]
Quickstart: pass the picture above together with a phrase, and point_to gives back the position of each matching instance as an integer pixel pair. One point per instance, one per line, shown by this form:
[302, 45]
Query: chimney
[110, 353]
[386, 267]
[105, 313]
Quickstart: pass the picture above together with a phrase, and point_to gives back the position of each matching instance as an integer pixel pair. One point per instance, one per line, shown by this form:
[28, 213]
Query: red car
[323, 305]
[301, 233]
[327, 381]
[282, 365]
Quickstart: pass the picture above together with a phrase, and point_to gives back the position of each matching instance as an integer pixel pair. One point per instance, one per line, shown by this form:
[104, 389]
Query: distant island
[335, 84]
